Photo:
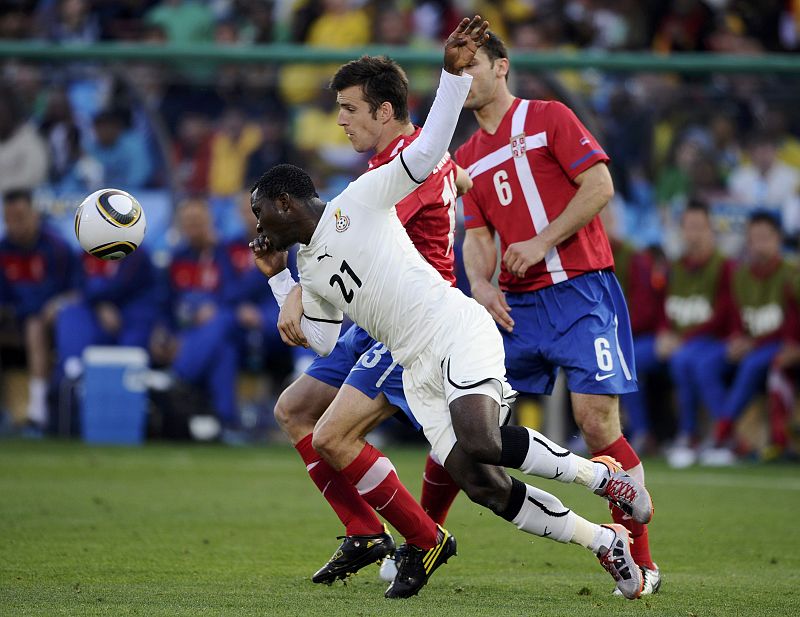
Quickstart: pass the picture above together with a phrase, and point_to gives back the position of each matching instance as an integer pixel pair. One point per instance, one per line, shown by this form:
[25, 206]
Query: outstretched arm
[424, 154]
[387, 185]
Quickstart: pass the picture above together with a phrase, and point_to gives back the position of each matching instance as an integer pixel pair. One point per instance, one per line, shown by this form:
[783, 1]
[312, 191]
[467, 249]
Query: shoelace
[621, 491]
[410, 560]
[611, 564]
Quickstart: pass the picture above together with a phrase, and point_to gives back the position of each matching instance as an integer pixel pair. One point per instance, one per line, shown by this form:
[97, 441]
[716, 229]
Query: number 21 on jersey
[347, 292]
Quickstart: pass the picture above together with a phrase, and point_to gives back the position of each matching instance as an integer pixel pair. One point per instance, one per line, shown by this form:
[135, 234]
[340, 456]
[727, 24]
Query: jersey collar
[504, 128]
[390, 151]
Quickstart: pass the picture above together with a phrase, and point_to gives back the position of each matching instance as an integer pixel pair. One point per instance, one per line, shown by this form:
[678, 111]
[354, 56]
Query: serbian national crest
[342, 220]
[518, 145]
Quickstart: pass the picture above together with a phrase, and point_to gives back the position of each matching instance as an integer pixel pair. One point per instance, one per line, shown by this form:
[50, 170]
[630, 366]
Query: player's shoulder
[395, 147]
[549, 114]
[468, 152]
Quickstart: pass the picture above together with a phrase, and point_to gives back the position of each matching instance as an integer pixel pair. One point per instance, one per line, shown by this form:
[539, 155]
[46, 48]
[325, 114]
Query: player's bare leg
[525, 449]
[597, 416]
[339, 438]
[530, 509]
[366, 540]
[301, 405]
[339, 434]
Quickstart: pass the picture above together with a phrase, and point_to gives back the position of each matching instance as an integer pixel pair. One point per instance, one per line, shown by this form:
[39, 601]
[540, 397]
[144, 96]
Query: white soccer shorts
[466, 358]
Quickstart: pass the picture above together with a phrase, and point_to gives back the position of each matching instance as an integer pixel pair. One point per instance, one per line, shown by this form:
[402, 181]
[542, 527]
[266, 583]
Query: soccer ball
[110, 224]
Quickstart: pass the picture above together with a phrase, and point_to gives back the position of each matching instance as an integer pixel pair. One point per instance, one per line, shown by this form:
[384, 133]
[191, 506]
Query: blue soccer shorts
[580, 325]
[361, 362]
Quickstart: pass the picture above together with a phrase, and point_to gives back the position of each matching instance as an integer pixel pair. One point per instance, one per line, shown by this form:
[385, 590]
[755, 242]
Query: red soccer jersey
[523, 179]
[429, 213]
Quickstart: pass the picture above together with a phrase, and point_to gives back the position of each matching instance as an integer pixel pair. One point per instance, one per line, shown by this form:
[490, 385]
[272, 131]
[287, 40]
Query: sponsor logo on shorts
[599, 377]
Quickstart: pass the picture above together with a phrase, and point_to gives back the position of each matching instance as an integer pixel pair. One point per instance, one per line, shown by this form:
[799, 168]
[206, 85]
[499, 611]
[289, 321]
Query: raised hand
[268, 260]
[463, 43]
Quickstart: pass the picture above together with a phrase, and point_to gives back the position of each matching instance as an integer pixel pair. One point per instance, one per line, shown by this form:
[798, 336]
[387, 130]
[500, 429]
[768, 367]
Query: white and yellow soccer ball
[110, 224]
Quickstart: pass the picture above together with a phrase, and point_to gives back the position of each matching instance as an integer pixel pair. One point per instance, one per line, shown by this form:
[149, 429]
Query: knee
[482, 449]
[326, 443]
[489, 496]
[598, 423]
[293, 418]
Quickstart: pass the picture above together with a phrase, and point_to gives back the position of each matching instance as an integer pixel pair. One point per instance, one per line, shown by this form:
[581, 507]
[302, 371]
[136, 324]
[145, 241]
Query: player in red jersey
[360, 380]
[539, 181]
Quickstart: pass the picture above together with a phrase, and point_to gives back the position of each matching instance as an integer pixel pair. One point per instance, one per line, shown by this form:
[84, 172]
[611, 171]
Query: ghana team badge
[342, 220]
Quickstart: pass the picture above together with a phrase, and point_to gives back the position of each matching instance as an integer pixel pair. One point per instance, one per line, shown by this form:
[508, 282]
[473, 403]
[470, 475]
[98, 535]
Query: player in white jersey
[357, 258]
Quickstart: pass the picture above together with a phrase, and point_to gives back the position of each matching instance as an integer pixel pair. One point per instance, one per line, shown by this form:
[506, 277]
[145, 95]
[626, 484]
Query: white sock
[37, 400]
[547, 459]
[591, 535]
[590, 473]
[542, 514]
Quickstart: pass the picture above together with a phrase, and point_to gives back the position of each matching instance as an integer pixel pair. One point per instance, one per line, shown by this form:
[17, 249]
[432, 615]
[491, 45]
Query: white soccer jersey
[360, 261]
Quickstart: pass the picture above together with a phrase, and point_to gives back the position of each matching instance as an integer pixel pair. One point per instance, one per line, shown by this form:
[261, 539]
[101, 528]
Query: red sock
[722, 431]
[375, 479]
[356, 514]
[439, 490]
[626, 456]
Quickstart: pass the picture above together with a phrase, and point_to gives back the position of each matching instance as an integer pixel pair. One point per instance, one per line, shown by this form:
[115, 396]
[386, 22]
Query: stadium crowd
[705, 221]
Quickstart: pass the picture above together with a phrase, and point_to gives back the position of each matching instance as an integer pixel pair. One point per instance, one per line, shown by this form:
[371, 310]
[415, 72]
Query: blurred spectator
[783, 384]
[685, 27]
[23, 154]
[642, 276]
[726, 146]
[16, 19]
[694, 320]
[674, 182]
[192, 154]
[38, 272]
[322, 142]
[184, 21]
[435, 19]
[337, 25]
[391, 27]
[71, 170]
[767, 183]
[125, 159]
[69, 22]
[276, 147]
[122, 19]
[196, 336]
[258, 18]
[231, 146]
[116, 304]
[776, 125]
[760, 297]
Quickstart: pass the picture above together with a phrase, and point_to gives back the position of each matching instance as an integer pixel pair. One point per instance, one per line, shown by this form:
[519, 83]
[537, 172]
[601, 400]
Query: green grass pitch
[182, 530]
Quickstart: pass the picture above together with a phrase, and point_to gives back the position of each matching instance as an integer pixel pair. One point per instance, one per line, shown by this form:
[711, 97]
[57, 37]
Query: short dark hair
[770, 217]
[494, 47]
[285, 178]
[698, 205]
[381, 80]
[18, 195]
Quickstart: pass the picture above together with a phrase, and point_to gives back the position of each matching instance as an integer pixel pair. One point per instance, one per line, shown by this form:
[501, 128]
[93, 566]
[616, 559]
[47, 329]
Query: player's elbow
[606, 191]
[602, 184]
